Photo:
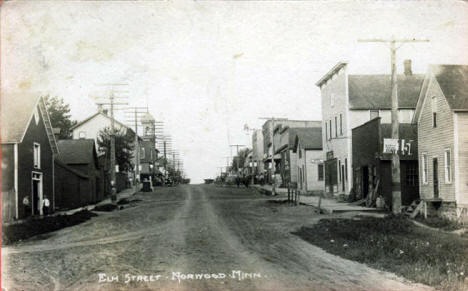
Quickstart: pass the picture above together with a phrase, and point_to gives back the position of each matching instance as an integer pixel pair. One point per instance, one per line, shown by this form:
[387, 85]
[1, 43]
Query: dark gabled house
[79, 176]
[372, 165]
[28, 148]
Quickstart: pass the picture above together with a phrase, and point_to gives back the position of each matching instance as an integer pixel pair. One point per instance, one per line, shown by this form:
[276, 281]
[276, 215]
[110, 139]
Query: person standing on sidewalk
[45, 206]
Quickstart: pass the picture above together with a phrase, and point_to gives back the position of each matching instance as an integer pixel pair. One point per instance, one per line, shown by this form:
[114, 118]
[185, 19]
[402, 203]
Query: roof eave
[330, 73]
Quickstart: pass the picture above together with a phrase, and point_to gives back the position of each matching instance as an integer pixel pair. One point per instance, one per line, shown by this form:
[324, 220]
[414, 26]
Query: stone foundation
[448, 210]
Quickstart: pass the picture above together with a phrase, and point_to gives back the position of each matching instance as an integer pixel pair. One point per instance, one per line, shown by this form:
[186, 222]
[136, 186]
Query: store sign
[391, 145]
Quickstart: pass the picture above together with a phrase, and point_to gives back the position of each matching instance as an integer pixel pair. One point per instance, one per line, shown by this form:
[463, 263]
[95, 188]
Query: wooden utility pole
[396, 181]
[112, 104]
[136, 118]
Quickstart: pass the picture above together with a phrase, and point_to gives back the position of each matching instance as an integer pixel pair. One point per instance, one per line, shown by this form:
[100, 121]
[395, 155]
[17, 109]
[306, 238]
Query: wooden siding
[434, 141]
[336, 89]
[462, 158]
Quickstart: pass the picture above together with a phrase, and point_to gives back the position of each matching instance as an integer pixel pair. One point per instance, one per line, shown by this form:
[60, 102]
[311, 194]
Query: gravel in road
[193, 237]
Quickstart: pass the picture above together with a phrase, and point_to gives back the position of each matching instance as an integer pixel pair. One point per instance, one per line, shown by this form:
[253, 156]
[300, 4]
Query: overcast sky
[208, 68]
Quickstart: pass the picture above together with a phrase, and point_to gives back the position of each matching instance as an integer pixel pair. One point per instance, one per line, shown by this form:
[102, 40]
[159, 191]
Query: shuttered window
[448, 166]
[424, 168]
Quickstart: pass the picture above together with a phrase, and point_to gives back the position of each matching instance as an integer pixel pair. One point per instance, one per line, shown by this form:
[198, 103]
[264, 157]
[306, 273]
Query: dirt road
[189, 238]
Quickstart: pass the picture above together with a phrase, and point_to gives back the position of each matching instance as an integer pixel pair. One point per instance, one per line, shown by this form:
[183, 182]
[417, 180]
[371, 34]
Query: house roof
[102, 114]
[77, 151]
[374, 91]
[309, 137]
[452, 80]
[16, 112]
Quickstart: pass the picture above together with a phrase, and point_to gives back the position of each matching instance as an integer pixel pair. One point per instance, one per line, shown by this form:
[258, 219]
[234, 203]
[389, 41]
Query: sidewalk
[126, 193]
[327, 205]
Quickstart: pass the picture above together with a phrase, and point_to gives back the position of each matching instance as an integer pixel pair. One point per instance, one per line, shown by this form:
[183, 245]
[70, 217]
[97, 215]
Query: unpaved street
[202, 231]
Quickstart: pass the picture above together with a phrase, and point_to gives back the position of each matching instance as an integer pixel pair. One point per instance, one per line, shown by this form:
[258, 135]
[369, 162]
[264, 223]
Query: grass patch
[16, 232]
[395, 244]
[440, 222]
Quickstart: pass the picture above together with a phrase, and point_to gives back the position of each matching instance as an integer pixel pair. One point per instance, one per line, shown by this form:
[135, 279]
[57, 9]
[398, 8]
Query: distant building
[257, 151]
[148, 152]
[351, 100]
[91, 127]
[372, 170]
[275, 127]
[28, 148]
[308, 149]
[442, 119]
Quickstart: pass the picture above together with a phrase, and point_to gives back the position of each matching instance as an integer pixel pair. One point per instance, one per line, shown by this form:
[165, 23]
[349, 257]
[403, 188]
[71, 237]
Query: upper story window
[320, 172]
[326, 131]
[336, 126]
[330, 124]
[37, 155]
[142, 153]
[374, 114]
[434, 111]
[424, 168]
[341, 124]
[332, 100]
[448, 166]
[300, 153]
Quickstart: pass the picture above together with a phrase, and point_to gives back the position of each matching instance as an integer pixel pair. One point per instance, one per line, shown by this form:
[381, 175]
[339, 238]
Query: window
[300, 153]
[142, 153]
[339, 171]
[326, 131]
[434, 111]
[411, 175]
[374, 114]
[346, 169]
[424, 168]
[336, 126]
[37, 155]
[82, 134]
[332, 100]
[448, 167]
[320, 172]
[330, 128]
[341, 124]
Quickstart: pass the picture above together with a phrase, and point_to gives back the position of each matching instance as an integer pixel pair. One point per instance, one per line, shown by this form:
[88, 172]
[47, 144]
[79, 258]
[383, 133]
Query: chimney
[407, 64]
[105, 111]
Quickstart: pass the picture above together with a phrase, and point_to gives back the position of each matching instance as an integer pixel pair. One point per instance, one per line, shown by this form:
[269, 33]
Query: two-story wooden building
[28, 148]
[442, 119]
[350, 100]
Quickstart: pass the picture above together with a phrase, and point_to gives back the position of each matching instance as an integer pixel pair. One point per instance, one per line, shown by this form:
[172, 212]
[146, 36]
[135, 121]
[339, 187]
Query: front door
[36, 193]
[435, 166]
[365, 182]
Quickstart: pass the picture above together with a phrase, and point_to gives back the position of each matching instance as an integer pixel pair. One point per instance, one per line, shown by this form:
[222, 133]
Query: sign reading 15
[391, 145]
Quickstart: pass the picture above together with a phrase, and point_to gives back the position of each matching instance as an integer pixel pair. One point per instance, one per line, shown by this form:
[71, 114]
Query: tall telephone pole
[112, 104]
[134, 111]
[396, 180]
